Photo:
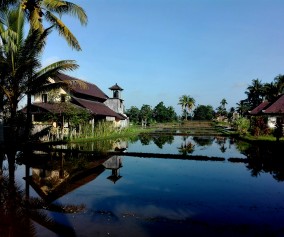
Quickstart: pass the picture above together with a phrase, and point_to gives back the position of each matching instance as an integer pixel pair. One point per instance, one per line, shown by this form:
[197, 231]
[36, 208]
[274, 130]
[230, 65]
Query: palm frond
[63, 30]
[74, 10]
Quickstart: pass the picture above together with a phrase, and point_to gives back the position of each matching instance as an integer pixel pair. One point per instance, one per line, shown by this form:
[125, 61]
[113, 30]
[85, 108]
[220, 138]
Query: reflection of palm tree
[221, 141]
[255, 167]
[186, 148]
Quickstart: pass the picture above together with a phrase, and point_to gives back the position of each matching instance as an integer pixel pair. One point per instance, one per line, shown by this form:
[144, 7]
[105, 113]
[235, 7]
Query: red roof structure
[258, 110]
[270, 108]
[97, 108]
[77, 88]
[276, 108]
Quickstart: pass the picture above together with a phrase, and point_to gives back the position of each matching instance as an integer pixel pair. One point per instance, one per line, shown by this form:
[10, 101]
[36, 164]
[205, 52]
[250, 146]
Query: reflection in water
[114, 164]
[186, 147]
[192, 192]
[203, 141]
[19, 212]
[61, 173]
[265, 158]
[221, 141]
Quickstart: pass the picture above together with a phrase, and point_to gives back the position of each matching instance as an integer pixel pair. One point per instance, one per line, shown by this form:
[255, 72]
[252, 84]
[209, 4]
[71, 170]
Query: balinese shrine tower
[116, 102]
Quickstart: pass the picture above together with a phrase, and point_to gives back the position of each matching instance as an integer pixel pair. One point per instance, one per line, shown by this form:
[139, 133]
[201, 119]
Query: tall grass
[106, 130]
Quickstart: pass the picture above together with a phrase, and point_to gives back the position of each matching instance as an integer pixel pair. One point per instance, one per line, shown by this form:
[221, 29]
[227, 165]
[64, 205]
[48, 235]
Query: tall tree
[255, 93]
[203, 112]
[20, 61]
[51, 11]
[271, 91]
[146, 113]
[279, 83]
[187, 104]
[133, 114]
[222, 108]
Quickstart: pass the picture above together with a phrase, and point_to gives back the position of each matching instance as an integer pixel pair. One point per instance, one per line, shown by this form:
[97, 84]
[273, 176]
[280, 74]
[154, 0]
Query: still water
[123, 195]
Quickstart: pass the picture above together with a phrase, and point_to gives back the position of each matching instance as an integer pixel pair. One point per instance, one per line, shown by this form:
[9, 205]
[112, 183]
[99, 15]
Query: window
[63, 98]
[44, 98]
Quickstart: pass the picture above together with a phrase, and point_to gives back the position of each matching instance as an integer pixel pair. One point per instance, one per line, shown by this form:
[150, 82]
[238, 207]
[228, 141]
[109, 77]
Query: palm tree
[279, 82]
[19, 62]
[51, 11]
[222, 108]
[187, 104]
[243, 107]
[183, 103]
[271, 91]
[255, 93]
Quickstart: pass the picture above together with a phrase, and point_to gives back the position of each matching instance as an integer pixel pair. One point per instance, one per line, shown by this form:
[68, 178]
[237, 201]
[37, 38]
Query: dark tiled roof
[97, 108]
[116, 87]
[276, 107]
[258, 110]
[54, 108]
[89, 90]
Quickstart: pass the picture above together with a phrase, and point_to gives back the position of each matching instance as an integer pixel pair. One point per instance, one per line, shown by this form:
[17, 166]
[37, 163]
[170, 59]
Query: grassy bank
[129, 132]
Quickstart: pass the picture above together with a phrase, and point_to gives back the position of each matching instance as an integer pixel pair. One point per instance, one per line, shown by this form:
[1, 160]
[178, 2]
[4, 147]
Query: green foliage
[221, 110]
[259, 126]
[146, 112]
[203, 112]
[242, 125]
[133, 114]
[161, 113]
[187, 104]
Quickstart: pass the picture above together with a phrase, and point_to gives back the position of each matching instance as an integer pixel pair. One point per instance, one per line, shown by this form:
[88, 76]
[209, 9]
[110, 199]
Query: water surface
[137, 196]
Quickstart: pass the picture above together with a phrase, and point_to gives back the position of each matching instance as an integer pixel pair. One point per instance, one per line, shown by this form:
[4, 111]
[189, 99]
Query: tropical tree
[203, 112]
[133, 114]
[255, 93]
[51, 11]
[161, 113]
[146, 113]
[243, 107]
[279, 82]
[20, 62]
[222, 108]
[187, 104]
[271, 91]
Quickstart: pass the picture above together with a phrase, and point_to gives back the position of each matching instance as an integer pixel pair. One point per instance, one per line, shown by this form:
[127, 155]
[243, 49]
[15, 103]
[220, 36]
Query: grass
[131, 131]
[104, 133]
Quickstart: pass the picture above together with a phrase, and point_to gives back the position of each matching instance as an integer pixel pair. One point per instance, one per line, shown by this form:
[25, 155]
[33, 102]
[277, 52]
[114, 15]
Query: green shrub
[242, 125]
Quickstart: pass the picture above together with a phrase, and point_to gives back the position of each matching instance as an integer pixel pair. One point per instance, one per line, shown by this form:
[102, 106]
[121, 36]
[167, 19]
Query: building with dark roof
[274, 110]
[83, 95]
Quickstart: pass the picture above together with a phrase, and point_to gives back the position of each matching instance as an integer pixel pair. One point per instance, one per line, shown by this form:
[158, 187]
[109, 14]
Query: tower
[116, 89]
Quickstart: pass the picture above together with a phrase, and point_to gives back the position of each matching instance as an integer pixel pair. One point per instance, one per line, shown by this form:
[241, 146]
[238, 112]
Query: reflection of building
[114, 163]
[53, 178]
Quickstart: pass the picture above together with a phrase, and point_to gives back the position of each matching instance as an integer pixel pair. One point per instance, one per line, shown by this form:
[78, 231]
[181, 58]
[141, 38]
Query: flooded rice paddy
[154, 185]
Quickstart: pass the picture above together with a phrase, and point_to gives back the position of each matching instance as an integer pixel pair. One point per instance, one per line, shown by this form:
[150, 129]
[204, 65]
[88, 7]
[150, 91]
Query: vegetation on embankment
[100, 133]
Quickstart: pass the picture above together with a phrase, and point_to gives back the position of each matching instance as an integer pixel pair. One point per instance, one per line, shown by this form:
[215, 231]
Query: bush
[259, 126]
[242, 125]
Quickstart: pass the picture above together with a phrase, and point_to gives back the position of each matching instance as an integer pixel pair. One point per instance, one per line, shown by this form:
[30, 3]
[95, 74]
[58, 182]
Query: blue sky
[158, 50]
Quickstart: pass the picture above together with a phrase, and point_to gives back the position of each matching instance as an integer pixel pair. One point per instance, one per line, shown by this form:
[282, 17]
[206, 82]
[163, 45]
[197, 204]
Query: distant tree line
[146, 114]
